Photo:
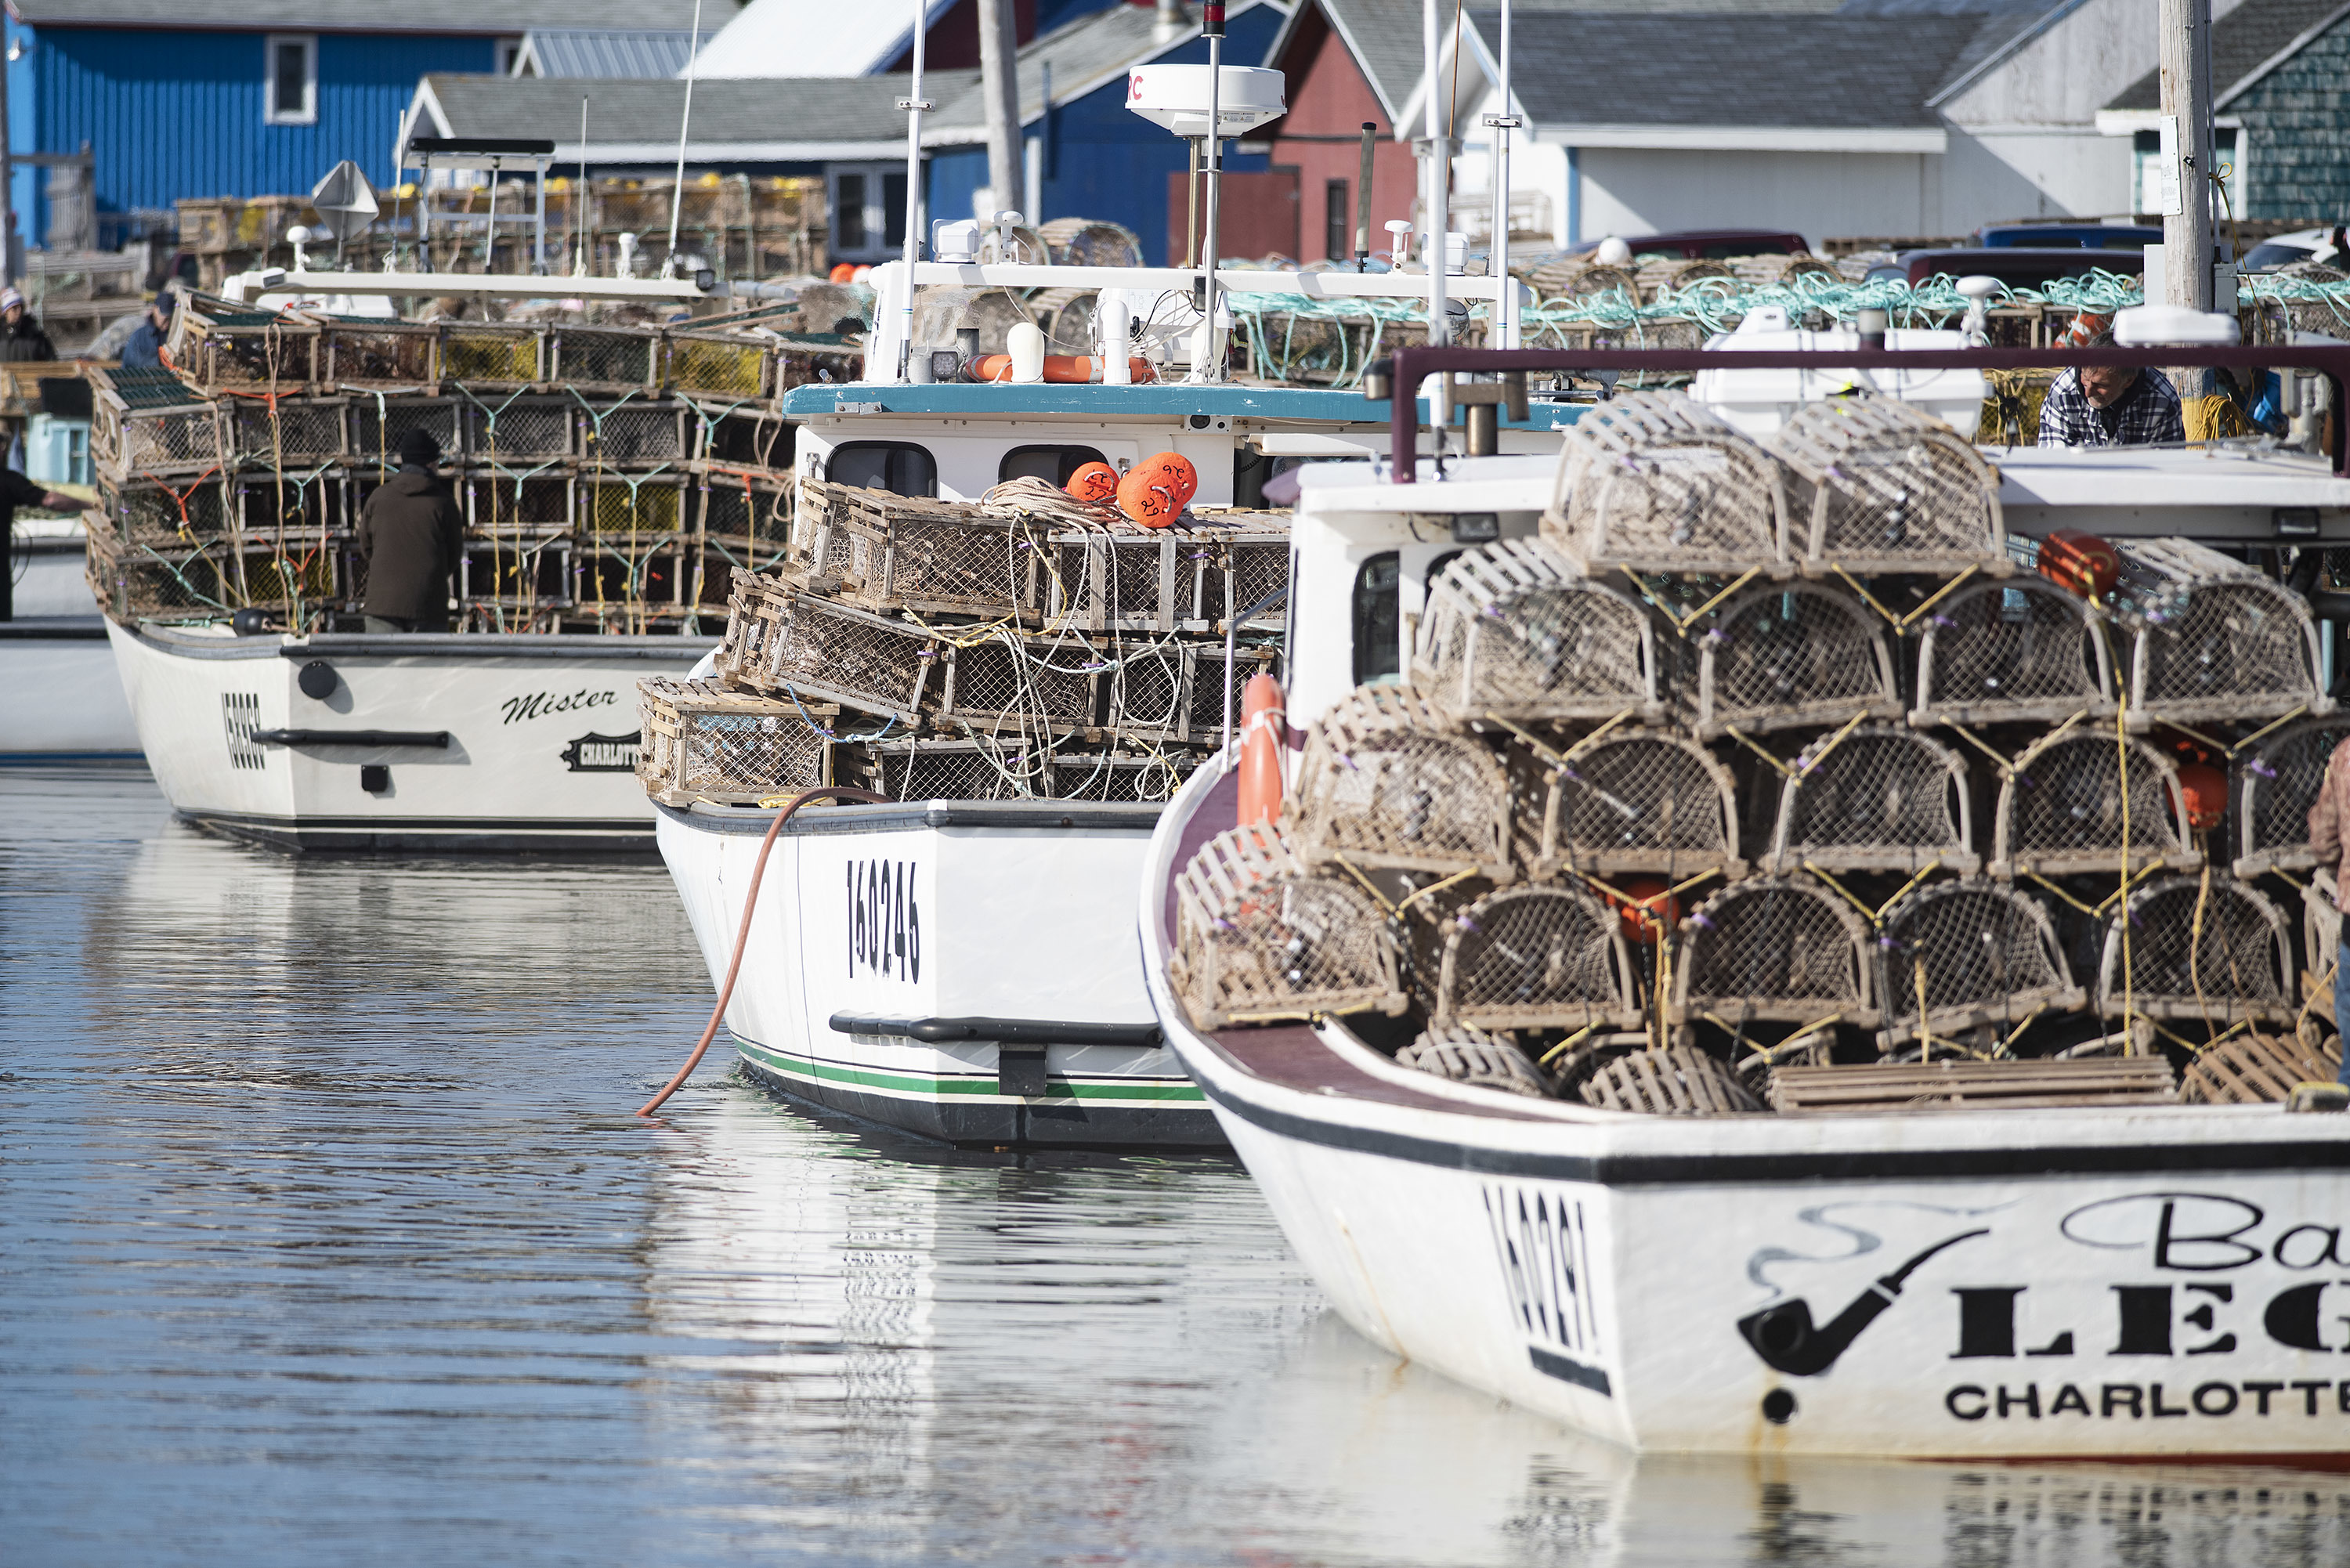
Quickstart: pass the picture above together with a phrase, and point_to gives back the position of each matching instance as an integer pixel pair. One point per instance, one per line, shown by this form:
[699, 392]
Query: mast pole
[1506, 301]
[2185, 56]
[1211, 27]
[913, 104]
[684, 124]
[1433, 174]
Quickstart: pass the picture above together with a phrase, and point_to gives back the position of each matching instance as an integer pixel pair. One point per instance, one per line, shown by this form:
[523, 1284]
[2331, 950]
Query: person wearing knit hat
[409, 534]
[21, 338]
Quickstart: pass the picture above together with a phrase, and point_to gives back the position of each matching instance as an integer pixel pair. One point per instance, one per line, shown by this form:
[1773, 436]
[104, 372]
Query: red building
[1345, 63]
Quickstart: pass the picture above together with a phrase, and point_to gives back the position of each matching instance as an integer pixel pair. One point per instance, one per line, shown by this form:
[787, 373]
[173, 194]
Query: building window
[509, 57]
[868, 212]
[290, 92]
[1340, 230]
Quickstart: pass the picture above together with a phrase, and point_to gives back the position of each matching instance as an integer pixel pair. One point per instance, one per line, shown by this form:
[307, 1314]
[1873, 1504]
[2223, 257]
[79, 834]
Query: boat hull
[419, 745]
[953, 968]
[2156, 1281]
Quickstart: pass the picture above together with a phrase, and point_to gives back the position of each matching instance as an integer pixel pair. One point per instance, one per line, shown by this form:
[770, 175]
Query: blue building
[248, 97]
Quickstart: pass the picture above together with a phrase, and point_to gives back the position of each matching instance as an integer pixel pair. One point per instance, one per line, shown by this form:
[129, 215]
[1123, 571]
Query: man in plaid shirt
[2111, 405]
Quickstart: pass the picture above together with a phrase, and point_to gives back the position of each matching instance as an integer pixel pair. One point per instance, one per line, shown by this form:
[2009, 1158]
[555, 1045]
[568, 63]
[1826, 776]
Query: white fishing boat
[59, 696]
[2078, 1205]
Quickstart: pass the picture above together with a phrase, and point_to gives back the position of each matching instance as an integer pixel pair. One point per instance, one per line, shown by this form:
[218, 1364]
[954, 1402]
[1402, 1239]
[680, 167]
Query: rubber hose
[743, 936]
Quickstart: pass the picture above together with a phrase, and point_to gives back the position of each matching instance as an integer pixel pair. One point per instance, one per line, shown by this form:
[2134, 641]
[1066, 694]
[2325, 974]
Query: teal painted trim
[1170, 399]
[931, 1086]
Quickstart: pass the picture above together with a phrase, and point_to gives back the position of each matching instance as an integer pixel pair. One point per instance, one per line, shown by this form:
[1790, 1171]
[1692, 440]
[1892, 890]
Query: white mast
[1505, 303]
[913, 105]
[1434, 173]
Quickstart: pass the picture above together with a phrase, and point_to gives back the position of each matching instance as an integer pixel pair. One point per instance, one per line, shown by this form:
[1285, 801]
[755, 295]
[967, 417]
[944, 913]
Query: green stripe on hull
[931, 1086]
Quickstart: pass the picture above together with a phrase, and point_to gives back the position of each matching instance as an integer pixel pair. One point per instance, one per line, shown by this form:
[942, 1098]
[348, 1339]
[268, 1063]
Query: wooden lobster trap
[1643, 801]
[274, 504]
[1191, 576]
[633, 433]
[2206, 950]
[1179, 691]
[1775, 950]
[1878, 487]
[2083, 801]
[741, 438]
[887, 552]
[1678, 1081]
[493, 355]
[1793, 656]
[2239, 648]
[1387, 781]
[950, 770]
[1002, 681]
[365, 352]
[516, 577]
[222, 350]
[1881, 798]
[1535, 957]
[1512, 631]
[719, 363]
[703, 741]
[2256, 1069]
[606, 358]
[520, 433]
[186, 511]
[2020, 651]
[785, 643]
[626, 506]
[157, 443]
[2277, 782]
[283, 432]
[1972, 958]
[746, 513]
[1656, 482]
[1260, 936]
[206, 581]
[380, 425]
[516, 503]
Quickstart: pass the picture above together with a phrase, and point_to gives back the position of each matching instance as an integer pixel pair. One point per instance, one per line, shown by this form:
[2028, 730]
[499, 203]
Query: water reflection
[325, 1236]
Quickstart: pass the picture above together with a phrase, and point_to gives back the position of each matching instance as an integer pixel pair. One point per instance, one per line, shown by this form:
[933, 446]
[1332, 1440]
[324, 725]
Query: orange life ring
[1264, 725]
[1066, 369]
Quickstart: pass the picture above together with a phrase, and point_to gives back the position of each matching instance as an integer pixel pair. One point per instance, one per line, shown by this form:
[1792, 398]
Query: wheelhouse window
[899, 467]
[1378, 619]
[290, 83]
[1053, 464]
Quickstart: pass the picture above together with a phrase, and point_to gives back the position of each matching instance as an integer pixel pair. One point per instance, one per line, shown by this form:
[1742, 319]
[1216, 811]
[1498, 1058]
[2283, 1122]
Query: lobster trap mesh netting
[2278, 783]
[1674, 1082]
[633, 433]
[1881, 798]
[1657, 481]
[2207, 949]
[521, 432]
[1512, 630]
[614, 359]
[782, 643]
[704, 742]
[1007, 681]
[1971, 953]
[955, 770]
[1792, 656]
[717, 365]
[125, 440]
[379, 355]
[747, 513]
[280, 431]
[2023, 650]
[2241, 646]
[1879, 486]
[155, 512]
[505, 504]
[492, 354]
[1385, 780]
[1464, 1055]
[1535, 957]
[2256, 1069]
[1774, 948]
[1112, 777]
[655, 505]
[893, 552]
[1641, 801]
[2064, 808]
[1260, 936]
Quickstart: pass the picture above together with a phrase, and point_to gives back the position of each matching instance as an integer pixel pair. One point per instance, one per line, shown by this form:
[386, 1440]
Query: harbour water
[326, 1235]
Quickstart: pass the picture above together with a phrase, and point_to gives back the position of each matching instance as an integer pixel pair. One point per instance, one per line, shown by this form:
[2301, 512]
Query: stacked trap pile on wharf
[1768, 777]
[1025, 645]
[611, 477]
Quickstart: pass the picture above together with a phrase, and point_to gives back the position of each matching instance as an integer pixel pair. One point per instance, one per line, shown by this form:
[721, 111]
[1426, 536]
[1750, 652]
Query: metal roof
[506, 17]
[583, 52]
[636, 120]
[800, 38]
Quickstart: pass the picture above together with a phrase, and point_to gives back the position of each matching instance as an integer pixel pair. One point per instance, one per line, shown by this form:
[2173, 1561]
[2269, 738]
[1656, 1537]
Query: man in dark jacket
[21, 338]
[411, 534]
[145, 348]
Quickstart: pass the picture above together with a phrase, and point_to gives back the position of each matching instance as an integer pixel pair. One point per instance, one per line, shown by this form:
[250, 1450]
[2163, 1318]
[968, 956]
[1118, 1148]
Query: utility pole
[2185, 60]
[999, 89]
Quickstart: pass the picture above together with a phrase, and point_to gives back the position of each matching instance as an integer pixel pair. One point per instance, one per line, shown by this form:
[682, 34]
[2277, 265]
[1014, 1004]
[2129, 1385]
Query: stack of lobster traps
[1027, 645]
[1768, 758]
[612, 478]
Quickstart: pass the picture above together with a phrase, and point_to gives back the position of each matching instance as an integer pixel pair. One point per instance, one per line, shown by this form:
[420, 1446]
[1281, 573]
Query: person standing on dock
[409, 535]
[22, 340]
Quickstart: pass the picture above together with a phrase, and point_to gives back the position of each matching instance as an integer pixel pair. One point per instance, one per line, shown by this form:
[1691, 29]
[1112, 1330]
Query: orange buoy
[1179, 472]
[2206, 789]
[1095, 481]
[1265, 724]
[1063, 370]
[842, 272]
[1150, 497]
[2080, 563]
[1646, 910]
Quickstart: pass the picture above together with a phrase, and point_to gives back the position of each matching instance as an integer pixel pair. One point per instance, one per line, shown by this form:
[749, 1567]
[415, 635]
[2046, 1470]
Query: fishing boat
[59, 697]
[1711, 988]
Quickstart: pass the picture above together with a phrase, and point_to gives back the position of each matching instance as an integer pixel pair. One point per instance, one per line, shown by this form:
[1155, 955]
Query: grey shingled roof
[813, 109]
[1384, 38]
[2242, 41]
[1731, 68]
[504, 16]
